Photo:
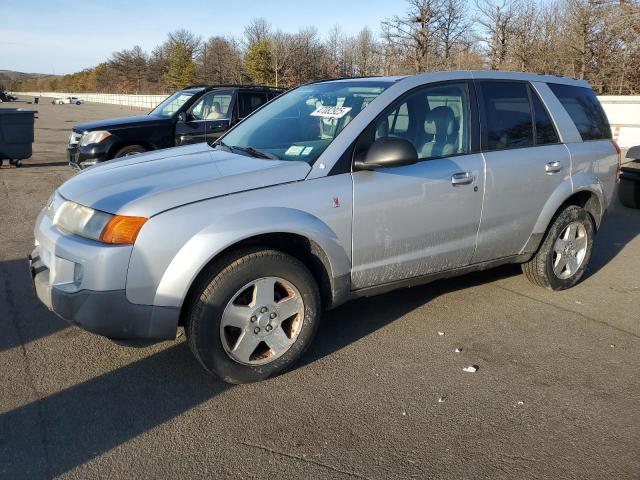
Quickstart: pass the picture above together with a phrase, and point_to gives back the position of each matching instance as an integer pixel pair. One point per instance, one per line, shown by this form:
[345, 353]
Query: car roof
[199, 88]
[475, 74]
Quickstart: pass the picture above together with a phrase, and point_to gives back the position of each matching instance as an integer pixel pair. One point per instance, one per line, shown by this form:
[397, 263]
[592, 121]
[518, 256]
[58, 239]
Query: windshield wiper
[256, 153]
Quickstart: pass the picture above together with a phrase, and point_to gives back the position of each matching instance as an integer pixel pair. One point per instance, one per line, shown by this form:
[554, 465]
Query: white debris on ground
[441, 399]
[441, 333]
[471, 368]
[458, 350]
[519, 403]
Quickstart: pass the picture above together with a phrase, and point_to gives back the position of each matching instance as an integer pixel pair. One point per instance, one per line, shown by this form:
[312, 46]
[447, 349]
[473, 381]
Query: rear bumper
[106, 313]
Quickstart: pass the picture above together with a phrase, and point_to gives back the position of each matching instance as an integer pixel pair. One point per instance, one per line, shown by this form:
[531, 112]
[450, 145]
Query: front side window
[213, 106]
[300, 124]
[172, 104]
[434, 119]
[508, 119]
[584, 109]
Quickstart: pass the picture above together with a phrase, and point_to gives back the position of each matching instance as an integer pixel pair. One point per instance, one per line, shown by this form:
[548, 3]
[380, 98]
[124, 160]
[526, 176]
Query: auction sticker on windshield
[294, 150]
[330, 112]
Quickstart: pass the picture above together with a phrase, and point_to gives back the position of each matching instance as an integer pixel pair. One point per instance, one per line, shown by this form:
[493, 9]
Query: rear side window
[248, 102]
[584, 109]
[545, 131]
[508, 121]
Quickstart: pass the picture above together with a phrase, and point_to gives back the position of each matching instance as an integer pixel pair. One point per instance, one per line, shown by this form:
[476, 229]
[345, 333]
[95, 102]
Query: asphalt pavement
[381, 394]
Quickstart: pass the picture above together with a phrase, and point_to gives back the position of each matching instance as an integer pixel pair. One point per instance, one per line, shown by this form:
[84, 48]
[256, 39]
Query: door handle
[553, 167]
[462, 178]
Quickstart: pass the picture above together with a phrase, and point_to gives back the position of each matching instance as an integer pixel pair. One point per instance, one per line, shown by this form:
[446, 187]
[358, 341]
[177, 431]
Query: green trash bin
[16, 134]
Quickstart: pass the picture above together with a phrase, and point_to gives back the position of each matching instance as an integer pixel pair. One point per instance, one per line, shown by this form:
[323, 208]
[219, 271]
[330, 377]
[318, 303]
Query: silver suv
[332, 191]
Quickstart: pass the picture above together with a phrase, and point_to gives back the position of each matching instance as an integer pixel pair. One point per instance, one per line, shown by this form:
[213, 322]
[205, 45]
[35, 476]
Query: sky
[60, 36]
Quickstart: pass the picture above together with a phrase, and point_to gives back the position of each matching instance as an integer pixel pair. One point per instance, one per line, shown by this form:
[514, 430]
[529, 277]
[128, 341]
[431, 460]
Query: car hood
[120, 122]
[146, 184]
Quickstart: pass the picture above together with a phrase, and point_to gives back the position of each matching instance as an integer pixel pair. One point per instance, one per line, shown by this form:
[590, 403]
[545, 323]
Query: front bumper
[87, 156]
[84, 282]
[107, 313]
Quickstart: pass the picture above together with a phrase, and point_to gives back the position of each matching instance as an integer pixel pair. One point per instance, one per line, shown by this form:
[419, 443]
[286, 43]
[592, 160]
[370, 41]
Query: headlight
[96, 225]
[94, 137]
[74, 138]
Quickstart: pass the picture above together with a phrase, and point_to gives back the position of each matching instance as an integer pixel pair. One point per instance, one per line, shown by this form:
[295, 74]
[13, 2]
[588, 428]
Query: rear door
[525, 163]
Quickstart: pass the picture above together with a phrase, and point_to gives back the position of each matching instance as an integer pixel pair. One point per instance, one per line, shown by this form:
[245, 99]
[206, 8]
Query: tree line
[596, 40]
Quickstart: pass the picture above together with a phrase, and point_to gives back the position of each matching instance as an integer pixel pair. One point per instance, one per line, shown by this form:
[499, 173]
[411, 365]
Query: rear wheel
[254, 316]
[129, 150]
[565, 251]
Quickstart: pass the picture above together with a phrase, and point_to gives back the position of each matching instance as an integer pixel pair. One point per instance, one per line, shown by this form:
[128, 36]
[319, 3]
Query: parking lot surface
[381, 394]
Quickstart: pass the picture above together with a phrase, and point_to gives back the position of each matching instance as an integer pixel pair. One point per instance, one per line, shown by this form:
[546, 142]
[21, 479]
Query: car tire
[77, 103]
[129, 150]
[565, 252]
[228, 324]
[629, 191]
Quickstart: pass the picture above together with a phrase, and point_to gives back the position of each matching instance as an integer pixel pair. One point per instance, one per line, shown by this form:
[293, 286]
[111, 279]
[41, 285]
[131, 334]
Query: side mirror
[633, 153]
[388, 152]
[182, 117]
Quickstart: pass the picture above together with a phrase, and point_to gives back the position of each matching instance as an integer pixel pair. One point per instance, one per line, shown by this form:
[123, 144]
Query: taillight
[619, 166]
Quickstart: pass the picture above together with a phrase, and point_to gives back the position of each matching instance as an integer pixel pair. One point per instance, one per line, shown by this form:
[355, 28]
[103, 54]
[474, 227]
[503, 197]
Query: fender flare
[561, 194]
[209, 242]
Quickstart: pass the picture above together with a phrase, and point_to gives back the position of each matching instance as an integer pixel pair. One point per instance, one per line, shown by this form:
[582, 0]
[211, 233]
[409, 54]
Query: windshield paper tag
[330, 112]
[294, 150]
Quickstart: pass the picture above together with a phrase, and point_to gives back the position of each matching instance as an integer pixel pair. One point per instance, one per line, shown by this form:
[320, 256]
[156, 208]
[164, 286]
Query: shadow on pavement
[620, 226]
[55, 434]
[357, 319]
[51, 436]
[44, 164]
[23, 318]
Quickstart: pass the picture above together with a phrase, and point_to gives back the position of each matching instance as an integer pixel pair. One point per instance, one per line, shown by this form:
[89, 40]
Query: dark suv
[192, 115]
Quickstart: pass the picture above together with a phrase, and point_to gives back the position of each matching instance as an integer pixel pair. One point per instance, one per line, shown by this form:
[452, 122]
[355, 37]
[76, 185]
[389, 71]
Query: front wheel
[565, 251]
[129, 150]
[254, 316]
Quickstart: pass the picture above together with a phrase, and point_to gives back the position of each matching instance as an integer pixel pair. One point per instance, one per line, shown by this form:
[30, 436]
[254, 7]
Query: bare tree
[496, 17]
[258, 29]
[453, 22]
[220, 61]
[415, 34]
[598, 40]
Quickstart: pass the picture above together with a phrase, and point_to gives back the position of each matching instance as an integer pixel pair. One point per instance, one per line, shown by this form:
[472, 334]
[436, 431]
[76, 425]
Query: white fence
[623, 111]
[143, 102]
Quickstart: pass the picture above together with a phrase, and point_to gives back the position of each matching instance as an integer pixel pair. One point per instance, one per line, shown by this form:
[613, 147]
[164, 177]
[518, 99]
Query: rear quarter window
[584, 109]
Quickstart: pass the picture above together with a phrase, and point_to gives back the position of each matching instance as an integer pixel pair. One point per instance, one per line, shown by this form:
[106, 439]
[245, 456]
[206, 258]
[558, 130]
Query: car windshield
[172, 104]
[301, 124]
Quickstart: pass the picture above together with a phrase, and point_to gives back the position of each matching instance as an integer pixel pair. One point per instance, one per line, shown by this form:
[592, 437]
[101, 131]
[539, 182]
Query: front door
[206, 119]
[423, 218]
